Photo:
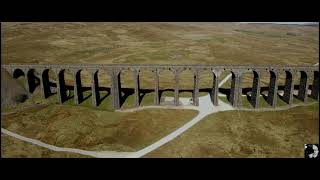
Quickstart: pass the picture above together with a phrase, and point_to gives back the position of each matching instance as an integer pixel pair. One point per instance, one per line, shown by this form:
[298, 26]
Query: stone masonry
[114, 71]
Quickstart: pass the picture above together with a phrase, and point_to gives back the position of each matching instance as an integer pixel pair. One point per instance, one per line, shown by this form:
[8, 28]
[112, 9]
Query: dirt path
[100, 154]
[225, 79]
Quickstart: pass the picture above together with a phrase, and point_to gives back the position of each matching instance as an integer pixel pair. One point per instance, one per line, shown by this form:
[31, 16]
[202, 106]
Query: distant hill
[284, 23]
[311, 24]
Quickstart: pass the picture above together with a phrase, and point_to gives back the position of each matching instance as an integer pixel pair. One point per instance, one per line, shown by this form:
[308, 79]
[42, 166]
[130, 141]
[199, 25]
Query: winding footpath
[205, 107]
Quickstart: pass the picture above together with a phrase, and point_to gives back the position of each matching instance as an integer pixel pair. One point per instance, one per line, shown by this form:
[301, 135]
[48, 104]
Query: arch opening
[33, 80]
[225, 85]
[126, 87]
[103, 81]
[314, 87]
[49, 81]
[166, 88]
[187, 82]
[67, 86]
[301, 87]
[147, 83]
[285, 87]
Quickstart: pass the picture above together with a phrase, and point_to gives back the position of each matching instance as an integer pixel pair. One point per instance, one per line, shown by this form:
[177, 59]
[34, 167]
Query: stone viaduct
[114, 71]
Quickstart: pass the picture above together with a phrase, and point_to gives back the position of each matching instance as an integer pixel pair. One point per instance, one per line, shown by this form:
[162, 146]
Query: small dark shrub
[291, 34]
[21, 98]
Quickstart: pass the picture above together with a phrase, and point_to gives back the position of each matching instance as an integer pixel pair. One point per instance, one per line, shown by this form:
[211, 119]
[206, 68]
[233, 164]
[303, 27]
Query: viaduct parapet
[114, 72]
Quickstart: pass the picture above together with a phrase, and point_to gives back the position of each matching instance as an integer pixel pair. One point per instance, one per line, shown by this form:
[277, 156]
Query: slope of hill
[12, 92]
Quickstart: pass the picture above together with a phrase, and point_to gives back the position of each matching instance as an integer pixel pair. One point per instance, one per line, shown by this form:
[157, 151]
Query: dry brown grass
[14, 148]
[84, 128]
[247, 134]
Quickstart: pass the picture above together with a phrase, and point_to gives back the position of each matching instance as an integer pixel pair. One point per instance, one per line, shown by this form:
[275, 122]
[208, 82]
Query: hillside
[12, 91]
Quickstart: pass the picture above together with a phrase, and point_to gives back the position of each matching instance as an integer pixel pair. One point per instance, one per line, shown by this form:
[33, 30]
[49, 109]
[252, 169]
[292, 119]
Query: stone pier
[303, 87]
[94, 87]
[156, 86]
[176, 89]
[115, 88]
[60, 85]
[288, 88]
[315, 86]
[196, 88]
[136, 81]
[27, 83]
[236, 90]
[215, 88]
[255, 93]
[273, 89]
[77, 86]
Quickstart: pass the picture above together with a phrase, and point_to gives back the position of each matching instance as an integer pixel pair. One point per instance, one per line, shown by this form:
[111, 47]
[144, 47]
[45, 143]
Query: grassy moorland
[263, 103]
[247, 134]
[15, 148]
[159, 43]
[85, 128]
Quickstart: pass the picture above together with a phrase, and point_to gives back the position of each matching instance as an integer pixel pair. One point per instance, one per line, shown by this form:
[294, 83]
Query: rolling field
[88, 129]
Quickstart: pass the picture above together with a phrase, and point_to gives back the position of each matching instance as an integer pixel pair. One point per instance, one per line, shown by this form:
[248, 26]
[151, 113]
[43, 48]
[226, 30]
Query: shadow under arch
[17, 73]
[273, 78]
[63, 88]
[125, 85]
[286, 87]
[47, 84]
[81, 88]
[33, 80]
[144, 92]
[302, 87]
[101, 77]
[314, 86]
[254, 89]
[231, 94]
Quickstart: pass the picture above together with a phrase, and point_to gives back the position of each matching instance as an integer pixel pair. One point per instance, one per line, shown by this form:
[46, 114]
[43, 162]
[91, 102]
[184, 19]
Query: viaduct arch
[114, 73]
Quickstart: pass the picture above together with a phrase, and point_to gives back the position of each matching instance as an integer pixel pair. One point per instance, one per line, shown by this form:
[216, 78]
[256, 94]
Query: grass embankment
[263, 103]
[85, 128]
[105, 99]
[247, 134]
[15, 148]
